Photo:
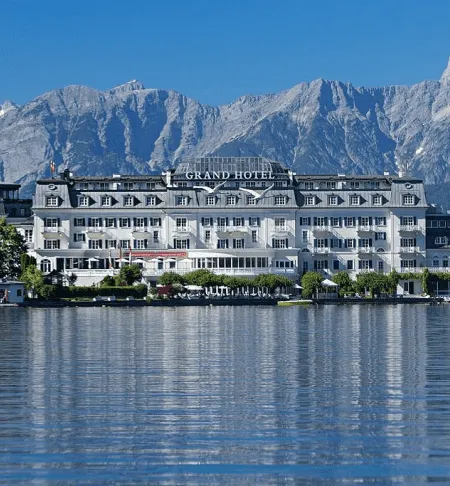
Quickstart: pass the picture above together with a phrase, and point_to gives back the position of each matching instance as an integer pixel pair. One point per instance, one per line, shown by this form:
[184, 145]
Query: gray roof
[230, 164]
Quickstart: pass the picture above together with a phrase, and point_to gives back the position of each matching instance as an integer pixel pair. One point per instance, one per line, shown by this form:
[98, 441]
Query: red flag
[52, 167]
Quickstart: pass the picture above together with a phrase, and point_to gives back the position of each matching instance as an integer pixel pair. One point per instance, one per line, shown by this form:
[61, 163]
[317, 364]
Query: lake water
[320, 395]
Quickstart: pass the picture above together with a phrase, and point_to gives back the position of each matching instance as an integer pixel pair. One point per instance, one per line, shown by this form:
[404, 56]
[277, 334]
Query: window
[210, 200]
[128, 186]
[440, 240]
[150, 200]
[156, 236]
[151, 186]
[222, 243]
[331, 185]
[22, 211]
[251, 201]
[354, 185]
[320, 264]
[110, 222]
[84, 186]
[310, 200]
[377, 200]
[408, 200]
[46, 266]
[309, 186]
[106, 201]
[182, 200]
[380, 236]
[349, 264]
[155, 222]
[51, 222]
[208, 221]
[335, 222]
[79, 222]
[207, 236]
[95, 222]
[442, 223]
[354, 200]
[435, 261]
[125, 244]
[321, 243]
[238, 243]
[280, 200]
[304, 236]
[95, 244]
[321, 221]
[124, 222]
[349, 222]
[407, 242]
[332, 200]
[364, 221]
[407, 220]
[380, 266]
[305, 221]
[238, 222]
[434, 224]
[181, 224]
[365, 242]
[51, 244]
[104, 185]
[335, 264]
[140, 222]
[52, 201]
[408, 264]
[110, 244]
[254, 236]
[380, 221]
[181, 244]
[350, 243]
[250, 184]
[254, 221]
[140, 244]
[280, 224]
[128, 201]
[83, 201]
[231, 200]
[365, 264]
[77, 237]
[29, 236]
[279, 243]
[181, 184]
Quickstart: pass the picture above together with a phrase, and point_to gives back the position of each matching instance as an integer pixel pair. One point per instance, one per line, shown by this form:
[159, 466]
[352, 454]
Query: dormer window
[52, 201]
[440, 240]
[355, 200]
[408, 199]
[331, 185]
[377, 200]
[106, 201]
[332, 200]
[182, 200]
[128, 201]
[310, 200]
[151, 200]
[83, 201]
[280, 200]
[231, 200]
[309, 186]
[128, 186]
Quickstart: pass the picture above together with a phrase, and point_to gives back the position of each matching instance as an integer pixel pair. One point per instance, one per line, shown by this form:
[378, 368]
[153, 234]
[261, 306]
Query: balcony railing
[321, 250]
[365, 228]
[52, 229]
[141, 229]
[95, 229]
[232, 229]
[367, 249]
[409, 249]
[409, 227]
[321, 228]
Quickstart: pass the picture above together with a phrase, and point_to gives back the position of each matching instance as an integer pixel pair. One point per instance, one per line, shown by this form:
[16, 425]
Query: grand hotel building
[232, 215]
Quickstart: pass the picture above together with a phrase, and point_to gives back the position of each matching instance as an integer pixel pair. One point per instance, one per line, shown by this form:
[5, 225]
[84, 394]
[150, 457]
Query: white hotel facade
[232, 215]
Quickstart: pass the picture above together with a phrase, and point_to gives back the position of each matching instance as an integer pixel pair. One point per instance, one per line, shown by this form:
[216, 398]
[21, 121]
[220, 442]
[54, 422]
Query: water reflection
[351, 393]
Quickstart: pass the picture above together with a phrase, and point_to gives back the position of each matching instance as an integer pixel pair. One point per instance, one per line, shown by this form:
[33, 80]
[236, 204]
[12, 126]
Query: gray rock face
[317, 127]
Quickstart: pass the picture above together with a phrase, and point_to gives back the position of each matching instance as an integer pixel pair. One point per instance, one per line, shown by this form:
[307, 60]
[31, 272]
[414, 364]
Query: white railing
[321, 228]
[409, 249]
[95, 229]
[52, 229]
[321, 250]
[231, 228]
[367, 249]
[141, 229]
[154, 272]
[366, 228]
[409, 227]
[282, 229]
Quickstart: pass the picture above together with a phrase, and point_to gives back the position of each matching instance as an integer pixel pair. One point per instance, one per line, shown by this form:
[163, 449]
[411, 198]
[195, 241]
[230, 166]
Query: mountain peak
[132, 85]
[7, 106]
[446, 74]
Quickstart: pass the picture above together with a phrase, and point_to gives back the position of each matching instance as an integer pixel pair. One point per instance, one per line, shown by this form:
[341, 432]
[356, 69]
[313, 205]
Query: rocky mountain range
[317, 127]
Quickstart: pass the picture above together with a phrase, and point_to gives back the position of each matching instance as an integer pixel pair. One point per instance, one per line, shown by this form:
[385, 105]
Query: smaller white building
[11, 292]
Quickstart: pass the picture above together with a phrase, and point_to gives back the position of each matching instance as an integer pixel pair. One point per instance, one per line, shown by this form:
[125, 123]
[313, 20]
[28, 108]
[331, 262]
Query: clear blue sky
[215, 51]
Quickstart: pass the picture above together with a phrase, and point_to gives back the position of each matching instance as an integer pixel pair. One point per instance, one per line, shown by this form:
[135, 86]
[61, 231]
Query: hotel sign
[224, 175]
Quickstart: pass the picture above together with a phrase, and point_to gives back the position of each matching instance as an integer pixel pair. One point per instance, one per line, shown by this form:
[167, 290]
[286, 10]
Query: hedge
[137, 291]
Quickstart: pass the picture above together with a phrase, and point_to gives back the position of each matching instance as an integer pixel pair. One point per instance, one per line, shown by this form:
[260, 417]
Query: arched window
[435, 261]
[445, 261]
[46, 266]
[380, 250]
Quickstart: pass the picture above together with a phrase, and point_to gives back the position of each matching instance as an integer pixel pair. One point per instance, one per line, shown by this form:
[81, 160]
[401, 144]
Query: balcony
[285, 229]
[408, 228]
[409, 249]
[321, 229]
[182, 229]
[367, 249]
[53, 232]
[95, 232]
[240, 230]
[365, 228]
[140, 230]
[321, 251]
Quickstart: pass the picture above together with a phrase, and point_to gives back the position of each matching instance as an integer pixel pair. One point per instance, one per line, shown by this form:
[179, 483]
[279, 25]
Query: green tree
[346, 284]
[27, 261]
[203, 277]
[129, 274]
[311, 283]
[33, 279]
[108, 281]
[375, 283]
[170, 278]
[12, 247]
